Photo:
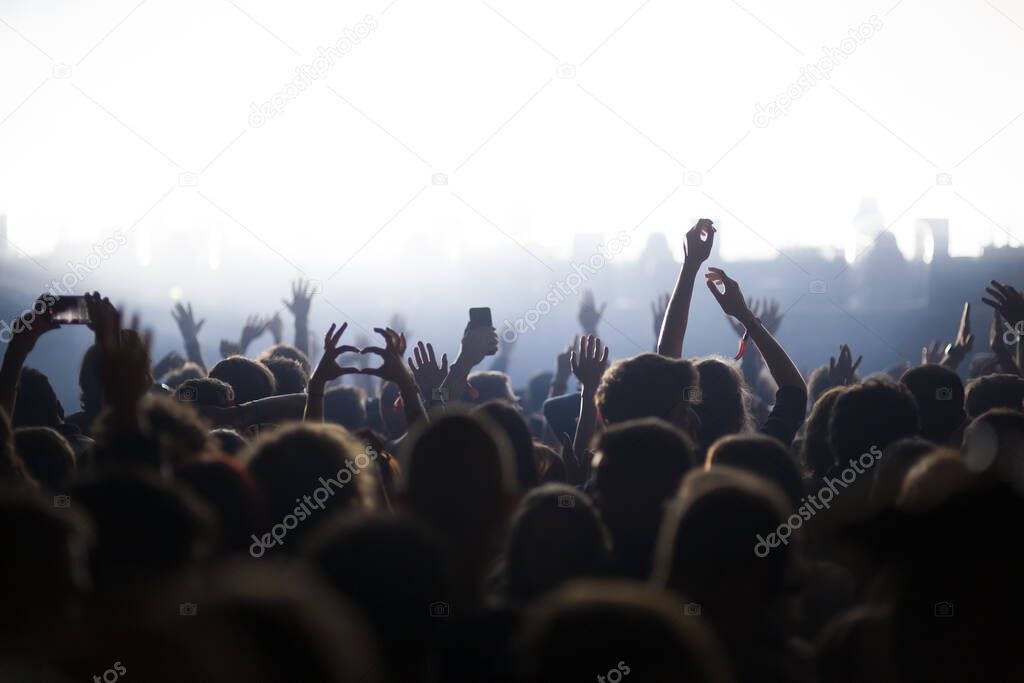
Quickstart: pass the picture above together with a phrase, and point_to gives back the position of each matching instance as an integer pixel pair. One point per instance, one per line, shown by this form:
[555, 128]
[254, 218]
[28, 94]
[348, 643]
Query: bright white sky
[471, 89]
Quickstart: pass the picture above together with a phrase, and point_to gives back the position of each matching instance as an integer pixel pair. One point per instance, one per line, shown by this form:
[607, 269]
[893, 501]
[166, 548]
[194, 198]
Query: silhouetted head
[346, 406]
[556, 535]
[994, 391]
[722, 408]
[169, 434]
[650, 385]
[258, 622]
[231, 442]
[459, 477]
[507, 417]
[638, 465]
[306, 471]
[489, 386]
[939, 394]
[897, 459]
[710, 549]
[249, 379]
[146, 528]
[368, 560]
[47, 456]
[289, 377]
[205, 391]
[856, 647]
[12, 470]
[291, 353]
[761, 455]
[818, 383]
[230, 493]
[45, 572]
[874, 413]
[816, 454]
[993, 445]
[935, 479]
[36, 403]
[188, 371]
[537, 390]
[616, 631]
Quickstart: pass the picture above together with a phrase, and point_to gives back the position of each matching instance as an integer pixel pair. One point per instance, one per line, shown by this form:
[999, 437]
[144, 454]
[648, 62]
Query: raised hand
[1000, 337]
[964, 342]
[172, 361]
[658, 308]
[588, 313]
[563, 368]
[755, 310]
[478, 343]
[770, 315]
[230, 348]
[843, 372]
[302, 298]
[730, 298]
[186, 321]
[589, 362]
[26, 331]
[932, 354]
[328, 369]
[276, 328]
[699, 241]
[254, 327]
[400, 325]
[392, 369]
[125, 368]
[1009, 302]
[427, 373]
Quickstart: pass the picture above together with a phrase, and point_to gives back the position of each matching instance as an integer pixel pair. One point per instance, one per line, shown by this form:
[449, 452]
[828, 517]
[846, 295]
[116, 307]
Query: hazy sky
[546, 119]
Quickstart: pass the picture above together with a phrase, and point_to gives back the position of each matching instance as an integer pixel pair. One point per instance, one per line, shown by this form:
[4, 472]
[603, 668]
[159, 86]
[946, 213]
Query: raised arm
[1000, 337]
[563, 368]
[784, 371]
[125, 366]
[326, 370]
[426, 371]
[393, 369]
[273, 409]
[962, 345]
[477, 343]
[588, 364]
[24, 335]
[1009, 303]
[189, 328]
[588, 314]
[302, 297]
[697, 247]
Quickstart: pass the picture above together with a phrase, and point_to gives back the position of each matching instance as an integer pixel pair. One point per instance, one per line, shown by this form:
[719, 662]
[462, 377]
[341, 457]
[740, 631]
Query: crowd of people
[382, 514]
